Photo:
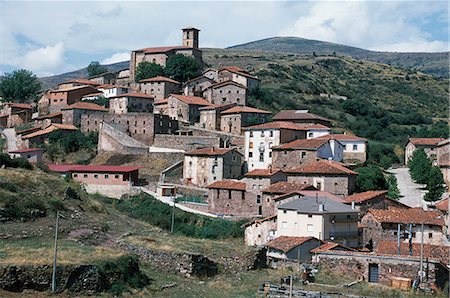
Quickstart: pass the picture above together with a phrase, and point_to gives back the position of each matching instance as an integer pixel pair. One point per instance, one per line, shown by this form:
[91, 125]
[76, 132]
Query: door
[373, 273]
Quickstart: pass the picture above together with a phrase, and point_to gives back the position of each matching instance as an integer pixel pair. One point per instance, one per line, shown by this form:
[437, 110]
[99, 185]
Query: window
[251, 133]
[116, 176]
[143, 131]
[413, 235]
[243, 195]
[96, 176]
[262, 133]
[75, 175]
[430, 235]
[303, 154]
[143, 122]
[395, 233]
[270, 153]
[355, 147]
[214, 178]
[295, 226]
[310, 228]
[261, 156]
[250, 154]
[106, 176]
[85, 175]
[310, 134]
[250, 145]
[318, 185]
[284, 211]
[309, 215]
[271, 133]
[284, 225]
[229, 194]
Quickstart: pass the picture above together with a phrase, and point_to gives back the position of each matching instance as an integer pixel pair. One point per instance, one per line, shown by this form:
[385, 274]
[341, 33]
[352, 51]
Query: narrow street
[410, 192]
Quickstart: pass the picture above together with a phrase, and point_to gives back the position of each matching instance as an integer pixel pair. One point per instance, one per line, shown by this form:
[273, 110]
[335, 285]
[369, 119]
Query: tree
[435, 185]
[19, 86]
[393, 191]
[147, 70]
[95, 68]
[370, 178]
[182, 68]
[419, 166]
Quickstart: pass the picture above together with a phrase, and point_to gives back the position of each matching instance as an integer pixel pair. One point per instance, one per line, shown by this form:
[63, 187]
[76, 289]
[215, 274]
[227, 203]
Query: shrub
[56, 205]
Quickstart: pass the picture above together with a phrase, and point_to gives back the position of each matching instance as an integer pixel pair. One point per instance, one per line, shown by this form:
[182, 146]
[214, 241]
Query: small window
[116, 176]
[250, 154]
[75, 175]
[271, 133]
[251, 133]
[262, 133]
[430, 235]
[96, 176]
[303, 154]
[284, 211]
[284, 225]
[413, 235]
[355, 147]
[310, 134]
[310, 215]
[106, 176]
[229, 194]
[261, 156]
[85, 175]
[310, 228]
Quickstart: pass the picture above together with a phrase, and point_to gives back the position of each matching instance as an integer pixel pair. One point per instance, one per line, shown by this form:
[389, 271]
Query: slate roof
[426, 141]
[302, 144]
[310, 205]
[285, 115]
[408, 216]
[228, 184]
[322, 167]
[284, 187]
[209, 152]
[365, 196]
[286, 243]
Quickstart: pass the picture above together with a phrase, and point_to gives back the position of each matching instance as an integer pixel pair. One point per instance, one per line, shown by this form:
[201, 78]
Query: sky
[55, 37]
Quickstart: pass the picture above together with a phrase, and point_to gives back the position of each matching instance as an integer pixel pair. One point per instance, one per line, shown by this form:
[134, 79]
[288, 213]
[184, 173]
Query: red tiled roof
[56, 114]
[105, 168]
[215, 107]
[283, 187]
[162, 49]
[159, 79]
[134, 94]
[330, 246]
[191, 100]
[238, 70]
[27, 150]
[20, 105]
[436, 252]
[286, 243]
[285, 115]
[426, 141]
[226, 82]
[63, 126]
[86, 106]
[318, 126]
[244, 109]
[342, 137]
[262, 172]
[322, 167]
[365, 196]
[233, 68]
[408, 216]
[51, 128]
[81, 81]
[74, 88]
[161, 102]
[196, 79]
[210, 151]
[278, 125]
[228, 184]
[308, 144]
[442, 205]
[310, 193]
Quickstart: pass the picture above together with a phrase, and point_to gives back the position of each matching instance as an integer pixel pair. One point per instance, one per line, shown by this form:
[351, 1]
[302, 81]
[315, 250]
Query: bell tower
[190, 37]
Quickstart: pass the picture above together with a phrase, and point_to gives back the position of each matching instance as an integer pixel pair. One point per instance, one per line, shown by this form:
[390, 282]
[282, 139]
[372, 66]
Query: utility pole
[398, 239]
[55, 254]
[173, 215]
[410, 240]
[290, 286]
[421, 255]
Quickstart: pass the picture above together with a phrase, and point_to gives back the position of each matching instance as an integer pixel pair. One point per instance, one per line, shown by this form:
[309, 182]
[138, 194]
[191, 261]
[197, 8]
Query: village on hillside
[288, 176]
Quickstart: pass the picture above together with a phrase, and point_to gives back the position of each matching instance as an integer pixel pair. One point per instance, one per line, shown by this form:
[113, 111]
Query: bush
[8, 162]
[56, 205]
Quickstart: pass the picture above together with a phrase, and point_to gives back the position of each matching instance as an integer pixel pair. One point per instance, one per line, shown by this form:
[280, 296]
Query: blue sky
[55, 37]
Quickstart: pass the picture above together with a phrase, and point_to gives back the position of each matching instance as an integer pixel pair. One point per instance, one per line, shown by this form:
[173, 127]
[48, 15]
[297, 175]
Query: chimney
[321, 207]
[213, 148]
[270, 169]
[353, 205]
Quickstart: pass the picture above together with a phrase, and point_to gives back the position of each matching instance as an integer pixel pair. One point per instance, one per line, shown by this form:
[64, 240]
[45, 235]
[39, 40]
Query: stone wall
[232, 202]
[187, 143]
[337, 185]
[112, 191]
[196, 206]
[112, 139]
[289, 159]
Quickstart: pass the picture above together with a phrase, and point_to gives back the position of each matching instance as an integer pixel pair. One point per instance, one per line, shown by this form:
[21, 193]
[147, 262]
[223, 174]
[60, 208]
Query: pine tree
[419, 166]
[435, 185]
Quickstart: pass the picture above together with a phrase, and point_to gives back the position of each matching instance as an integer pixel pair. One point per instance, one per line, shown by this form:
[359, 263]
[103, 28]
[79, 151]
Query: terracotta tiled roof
[426, 141]
[286, 243]
[442, 205]
[225, 83]
[283, 187]
[228, 184]
[210, 151]
[80, 105]
[73, 89]
[365, 196]
[261, 220]
[331, 246]
[436, 252]
[285, 115]
[196, 79]
[81, 81]
[163, 49]
[159, 79]
[27, 150]
[233, 68]
[322, 167]
[134, 94]
[244, 109]
[105, 168]
[161, 102]
[278, 125]
[191, 100]
[63, 126]
[49, 129]
[56, 114]
[217, 107]
[342, 137]
[310, 193]
[309, 144]
[238, 70]
[20, 105]
[262, 172]
[408, 216]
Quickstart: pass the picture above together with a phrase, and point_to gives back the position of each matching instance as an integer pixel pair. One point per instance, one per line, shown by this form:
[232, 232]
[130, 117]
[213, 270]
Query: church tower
[190, 37]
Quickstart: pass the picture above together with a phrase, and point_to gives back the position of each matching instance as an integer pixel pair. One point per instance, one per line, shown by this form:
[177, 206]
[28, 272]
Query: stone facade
[196, 86]
[443, 160]
[239, 76]
[15, 114]
[131, 103]
[185, 142]
[429, 145]
[210, 117]
[227, 92]
[339, 185]
[159, 87]
[235, 119]
[55, 100]
[185, 108]
[260, 231]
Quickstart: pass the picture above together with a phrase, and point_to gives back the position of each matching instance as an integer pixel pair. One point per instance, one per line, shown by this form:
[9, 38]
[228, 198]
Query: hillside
[435, 64]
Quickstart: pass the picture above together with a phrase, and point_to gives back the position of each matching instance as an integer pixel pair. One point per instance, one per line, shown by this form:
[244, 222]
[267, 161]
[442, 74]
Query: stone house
[72, 114]
[260, 231]
[161, 107]
[442, 206]
[42, 134]
[240, 76]
[104, 78]
[212, 74]
[317, 130]
[429, 145]
[204, 166]
[55, 100]
[259, 179]
[323, 218]
[159, 55]
[443, 160]
[355, 148]
[131, 103]
[46, 120]
[77, 83]
[325, 175]
[123, 77]
[185, 108]
[33, 155]
[380, 225]
[259, 140]
[294, 249]
[112, 90]
[196, 86]
[234, 119]
[385, 264]
[226, 92]
[304, 151]
[301, 116]
[228, 197]
[278, 189]
[160, 87]
[15, 114]
[210, 116]
[372, 199]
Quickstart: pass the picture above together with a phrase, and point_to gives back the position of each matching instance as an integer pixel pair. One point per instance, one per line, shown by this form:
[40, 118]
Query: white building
[111, 90]
[355, 148]
[317, 130]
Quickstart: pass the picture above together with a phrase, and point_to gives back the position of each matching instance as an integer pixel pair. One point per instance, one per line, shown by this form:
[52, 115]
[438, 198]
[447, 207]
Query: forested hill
[431, 63]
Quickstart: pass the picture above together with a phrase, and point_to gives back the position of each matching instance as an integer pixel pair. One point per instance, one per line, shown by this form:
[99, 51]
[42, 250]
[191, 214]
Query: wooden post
[55, 254]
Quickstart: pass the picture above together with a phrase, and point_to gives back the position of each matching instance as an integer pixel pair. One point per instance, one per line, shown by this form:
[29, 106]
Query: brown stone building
[72, 114]
[159, 55]
[228, 197]
[161, 107]
[42, 134]
[210, 116]
[429, 145]
[33, 155]
[325, 175]
[185, 108]
[372, 199]
[260, 231]
[160, 87]
[301, 116]
[280, 188]
[443, 159]
[46, 120]
[240, 76]
[380, 225]
[204, 166]
[234, 119]
[226, 92]
[15, 114]
[131, 103]
[55, 100]
[196, 86]
[77, 83]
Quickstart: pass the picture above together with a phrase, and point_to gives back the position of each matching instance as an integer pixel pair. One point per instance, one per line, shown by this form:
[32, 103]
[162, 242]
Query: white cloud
[117, 57]
[45, 60]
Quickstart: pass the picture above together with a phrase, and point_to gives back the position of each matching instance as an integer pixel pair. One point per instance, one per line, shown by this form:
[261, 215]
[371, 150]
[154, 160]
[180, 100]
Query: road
[11, 138]
[410, 192]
